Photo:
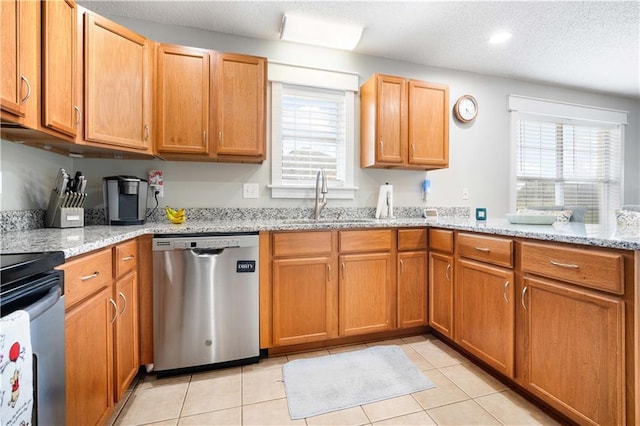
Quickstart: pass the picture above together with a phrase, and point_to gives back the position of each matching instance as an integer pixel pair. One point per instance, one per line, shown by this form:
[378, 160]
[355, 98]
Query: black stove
[25, 277]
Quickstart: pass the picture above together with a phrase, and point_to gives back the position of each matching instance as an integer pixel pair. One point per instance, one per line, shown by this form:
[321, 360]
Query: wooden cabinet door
[89, 351]
[391, 120]
[441, 293]
[241, 107]
[126, 335]
[117, 71]
[367, 293]
[19, 32]
[428, 124]
[60, 106]
[485, 315]
[575, 362]
[182, 93]
[412, 289]
[305, 300]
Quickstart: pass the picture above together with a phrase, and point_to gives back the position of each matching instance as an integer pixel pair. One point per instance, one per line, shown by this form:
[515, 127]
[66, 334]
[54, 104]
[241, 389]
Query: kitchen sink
[334, 220]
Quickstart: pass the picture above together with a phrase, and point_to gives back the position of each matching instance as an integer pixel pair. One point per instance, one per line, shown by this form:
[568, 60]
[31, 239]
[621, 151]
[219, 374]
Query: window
[312, 129]
[564, 161]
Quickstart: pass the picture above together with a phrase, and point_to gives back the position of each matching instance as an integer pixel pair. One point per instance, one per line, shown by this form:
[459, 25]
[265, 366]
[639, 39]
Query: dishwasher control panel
[181, 243]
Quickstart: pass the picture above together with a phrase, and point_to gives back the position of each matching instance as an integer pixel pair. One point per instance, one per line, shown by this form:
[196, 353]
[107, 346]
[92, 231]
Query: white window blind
[312, 128]
[559, 163]
[313, 135]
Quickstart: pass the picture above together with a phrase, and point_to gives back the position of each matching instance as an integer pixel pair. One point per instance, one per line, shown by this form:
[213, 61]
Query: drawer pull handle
[564, 265]
[504, 292]
[124, 299]
[483, 249]
[115, 310]
[128, 258]
[328, 272]
[401, 266]
[344, 272]
[78, 115]
[524, 292]
[146, 132]
[446, 272]
[88, 277]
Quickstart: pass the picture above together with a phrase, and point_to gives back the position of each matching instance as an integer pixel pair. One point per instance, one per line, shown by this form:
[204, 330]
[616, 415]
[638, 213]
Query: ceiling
[593, 45]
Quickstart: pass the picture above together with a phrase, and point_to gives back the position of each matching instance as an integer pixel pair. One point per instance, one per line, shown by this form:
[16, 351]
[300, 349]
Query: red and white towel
[16, 370]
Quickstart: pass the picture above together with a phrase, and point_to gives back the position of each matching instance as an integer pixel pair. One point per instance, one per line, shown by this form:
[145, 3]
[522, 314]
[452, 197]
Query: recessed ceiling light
[306, 30]
[498, 38]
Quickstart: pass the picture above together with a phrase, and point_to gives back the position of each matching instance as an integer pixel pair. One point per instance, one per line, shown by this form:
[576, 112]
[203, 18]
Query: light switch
[250, 190]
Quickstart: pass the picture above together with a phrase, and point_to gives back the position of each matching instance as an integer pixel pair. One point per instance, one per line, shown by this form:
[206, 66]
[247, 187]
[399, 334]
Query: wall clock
[466, 108]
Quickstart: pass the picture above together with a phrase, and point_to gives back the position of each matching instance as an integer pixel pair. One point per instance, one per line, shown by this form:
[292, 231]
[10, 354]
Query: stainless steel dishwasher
[205, 301]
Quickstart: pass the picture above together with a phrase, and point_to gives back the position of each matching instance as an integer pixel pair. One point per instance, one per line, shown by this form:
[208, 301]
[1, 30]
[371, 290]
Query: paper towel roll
[384, 209]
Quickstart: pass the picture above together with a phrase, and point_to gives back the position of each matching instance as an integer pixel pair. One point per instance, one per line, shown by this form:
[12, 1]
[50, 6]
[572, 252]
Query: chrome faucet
[320, 204]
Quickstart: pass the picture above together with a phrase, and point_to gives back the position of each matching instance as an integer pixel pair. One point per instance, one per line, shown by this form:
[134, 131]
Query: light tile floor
[254, 395]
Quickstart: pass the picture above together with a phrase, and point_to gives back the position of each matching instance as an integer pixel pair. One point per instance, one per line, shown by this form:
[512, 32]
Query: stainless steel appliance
[125, 200]
[205, 301]
[30, 283]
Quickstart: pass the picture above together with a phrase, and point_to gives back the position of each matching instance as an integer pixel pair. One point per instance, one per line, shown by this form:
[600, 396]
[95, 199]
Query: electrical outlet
[465, 193]
[250, 190]
[159, 188]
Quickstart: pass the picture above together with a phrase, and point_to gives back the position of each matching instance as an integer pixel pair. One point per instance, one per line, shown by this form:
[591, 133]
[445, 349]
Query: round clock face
[466, 108]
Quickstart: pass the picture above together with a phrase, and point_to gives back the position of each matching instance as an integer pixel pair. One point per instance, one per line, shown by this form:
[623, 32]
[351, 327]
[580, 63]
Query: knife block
[60, 214]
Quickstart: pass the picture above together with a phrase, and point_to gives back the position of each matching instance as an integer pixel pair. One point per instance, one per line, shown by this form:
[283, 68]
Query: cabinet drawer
[125, 257]
[412, 239]
[597, 268]
[86, 275]
[441, 240]
[360, 241]
[301, 243]
[498, 251]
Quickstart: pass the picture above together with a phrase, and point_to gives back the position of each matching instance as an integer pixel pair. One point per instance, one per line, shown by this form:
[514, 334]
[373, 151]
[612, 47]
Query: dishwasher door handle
[207, 252]
[43, 305]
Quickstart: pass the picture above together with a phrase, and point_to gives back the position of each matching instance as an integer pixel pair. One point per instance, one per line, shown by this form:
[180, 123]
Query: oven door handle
[43, 305]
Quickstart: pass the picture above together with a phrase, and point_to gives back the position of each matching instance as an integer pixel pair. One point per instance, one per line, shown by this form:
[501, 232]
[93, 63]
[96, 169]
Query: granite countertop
[75, 241]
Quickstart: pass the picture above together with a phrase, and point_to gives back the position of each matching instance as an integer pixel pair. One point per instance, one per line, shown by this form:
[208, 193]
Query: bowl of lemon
[175, 216]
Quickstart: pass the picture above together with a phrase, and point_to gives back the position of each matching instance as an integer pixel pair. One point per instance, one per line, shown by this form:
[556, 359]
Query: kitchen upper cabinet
[118, 85]
[182, 93]
[404, 123]
[428, 124]
[412, 278]
[575, 350]
[60, 101]
[485, 321]
[19, 35]
[240, 88]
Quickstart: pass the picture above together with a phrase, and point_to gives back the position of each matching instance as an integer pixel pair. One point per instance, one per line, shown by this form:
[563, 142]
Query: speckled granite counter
[75, 241]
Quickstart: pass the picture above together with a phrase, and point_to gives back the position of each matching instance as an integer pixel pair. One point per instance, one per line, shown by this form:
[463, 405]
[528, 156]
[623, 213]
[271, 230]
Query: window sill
[341, 193]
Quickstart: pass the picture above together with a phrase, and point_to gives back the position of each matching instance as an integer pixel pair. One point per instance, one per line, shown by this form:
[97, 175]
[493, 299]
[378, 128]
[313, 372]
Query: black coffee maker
[125, 200]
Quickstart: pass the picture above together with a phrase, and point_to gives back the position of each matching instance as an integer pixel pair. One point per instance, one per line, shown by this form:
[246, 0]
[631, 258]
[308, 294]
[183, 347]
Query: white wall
[479, 152]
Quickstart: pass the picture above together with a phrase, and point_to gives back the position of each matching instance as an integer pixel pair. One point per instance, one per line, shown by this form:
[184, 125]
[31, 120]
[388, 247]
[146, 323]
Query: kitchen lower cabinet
[441, 293]
[485, 313]
[126, 335]
[89, 351]
[575, 350]
[367, 293]
[305, 300]
[412, 278]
